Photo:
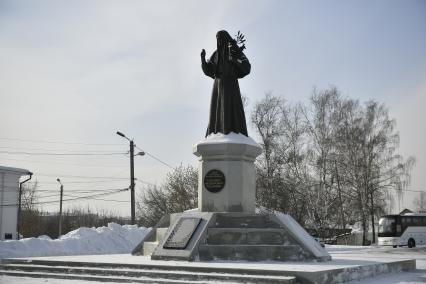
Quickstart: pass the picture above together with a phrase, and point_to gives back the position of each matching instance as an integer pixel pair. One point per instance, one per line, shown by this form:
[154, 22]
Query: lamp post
[60, 208]
[132, 175]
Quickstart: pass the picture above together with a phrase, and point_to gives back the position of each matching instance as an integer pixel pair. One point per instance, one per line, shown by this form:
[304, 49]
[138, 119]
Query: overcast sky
[78, 71]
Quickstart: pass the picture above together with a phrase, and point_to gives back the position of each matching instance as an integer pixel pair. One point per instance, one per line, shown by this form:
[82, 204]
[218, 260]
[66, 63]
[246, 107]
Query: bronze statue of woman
[226, 65]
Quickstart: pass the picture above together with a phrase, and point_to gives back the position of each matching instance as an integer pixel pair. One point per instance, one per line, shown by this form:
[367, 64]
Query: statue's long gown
[226, 107]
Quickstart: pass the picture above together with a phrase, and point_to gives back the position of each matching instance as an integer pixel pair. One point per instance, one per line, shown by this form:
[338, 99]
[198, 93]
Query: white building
[9, 199]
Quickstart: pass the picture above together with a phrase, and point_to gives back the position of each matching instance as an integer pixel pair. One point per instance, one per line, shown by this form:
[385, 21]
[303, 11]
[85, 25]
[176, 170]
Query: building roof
[405, 211]
[18, 171]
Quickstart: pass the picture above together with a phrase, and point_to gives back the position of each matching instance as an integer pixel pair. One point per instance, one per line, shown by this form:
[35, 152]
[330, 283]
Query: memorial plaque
[214, 181]
[182, 233]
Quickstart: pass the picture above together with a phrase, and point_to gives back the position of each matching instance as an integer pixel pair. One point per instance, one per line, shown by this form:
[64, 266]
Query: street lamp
[60, 208]
[132, 175]
[122, 135]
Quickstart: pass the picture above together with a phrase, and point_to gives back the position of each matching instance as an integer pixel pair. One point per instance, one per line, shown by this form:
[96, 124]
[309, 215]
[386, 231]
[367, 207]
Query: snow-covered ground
[103, 240]
[342, 256]
[122, 239]
[387, 253]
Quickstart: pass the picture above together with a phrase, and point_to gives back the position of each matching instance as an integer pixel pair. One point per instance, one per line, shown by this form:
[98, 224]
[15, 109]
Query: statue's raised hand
[203, 55]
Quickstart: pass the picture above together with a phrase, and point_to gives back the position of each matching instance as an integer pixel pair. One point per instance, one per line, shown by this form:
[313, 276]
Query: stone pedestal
[225, 225]
[226, 174]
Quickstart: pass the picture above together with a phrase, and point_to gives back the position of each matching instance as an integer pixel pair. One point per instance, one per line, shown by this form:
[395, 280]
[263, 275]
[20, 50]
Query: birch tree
[420, 202]
[330, 162]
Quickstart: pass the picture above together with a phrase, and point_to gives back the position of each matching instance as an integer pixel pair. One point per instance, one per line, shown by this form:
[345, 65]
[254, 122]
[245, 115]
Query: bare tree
[29, 196]
[282, 172]
[322, 120]
[152, 204]
[178, 193]
[266, 117]
[330, 162]
[420, 202]
[29, 223]
[382, 167]
[295, 155]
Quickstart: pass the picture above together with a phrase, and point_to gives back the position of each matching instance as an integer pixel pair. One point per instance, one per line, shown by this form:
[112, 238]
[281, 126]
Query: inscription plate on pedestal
[182, 233]
[214, 181]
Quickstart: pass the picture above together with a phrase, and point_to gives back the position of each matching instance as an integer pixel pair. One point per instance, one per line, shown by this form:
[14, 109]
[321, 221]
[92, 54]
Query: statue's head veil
[223, 43]
[223, 38]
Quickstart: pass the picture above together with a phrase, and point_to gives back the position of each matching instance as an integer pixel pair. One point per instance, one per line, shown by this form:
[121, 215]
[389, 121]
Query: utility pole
[132, 176]
[132, 182]
[60, 208]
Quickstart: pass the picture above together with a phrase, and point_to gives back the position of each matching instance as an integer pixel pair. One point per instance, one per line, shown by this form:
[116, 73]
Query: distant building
[9, 198]
[405, 211]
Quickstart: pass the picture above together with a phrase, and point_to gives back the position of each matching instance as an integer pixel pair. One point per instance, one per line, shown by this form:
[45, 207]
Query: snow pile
[232, 137]
[83, 241]
[302, 236]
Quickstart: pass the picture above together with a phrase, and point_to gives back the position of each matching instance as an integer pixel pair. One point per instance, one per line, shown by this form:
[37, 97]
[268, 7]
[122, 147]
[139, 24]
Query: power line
[59, 142]
[75, 154]
[60, 163]
[46, 196]
[72, 176]
[80, 194]
[44, 149]
[84, 194]
[60, 154]
[112, 178]
[78, 190]
[75, 191]
[81, 143]
[69, 182]
[145, 182]
[13, 188]
[72, 199]
[124, 201]
[98, 194]
[155, 158]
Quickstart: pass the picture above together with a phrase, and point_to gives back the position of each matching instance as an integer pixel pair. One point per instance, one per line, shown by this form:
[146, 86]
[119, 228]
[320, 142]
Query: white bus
[402, 230]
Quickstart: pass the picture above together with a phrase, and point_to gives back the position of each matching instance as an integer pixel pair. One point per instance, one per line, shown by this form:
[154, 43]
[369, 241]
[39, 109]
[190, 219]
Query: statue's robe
[226, 107]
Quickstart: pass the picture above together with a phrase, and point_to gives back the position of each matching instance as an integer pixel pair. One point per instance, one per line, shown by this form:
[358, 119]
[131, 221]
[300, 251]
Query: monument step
[135, 275]
[160, 233]
[108, 279]
[167, 266]
[148, 247]
[242, 220]
[248, 236]
[250, 252]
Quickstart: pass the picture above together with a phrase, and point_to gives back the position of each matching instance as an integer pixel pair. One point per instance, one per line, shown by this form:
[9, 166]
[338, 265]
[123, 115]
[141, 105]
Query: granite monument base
[226, 173]
[226, 226]
[231, 236]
